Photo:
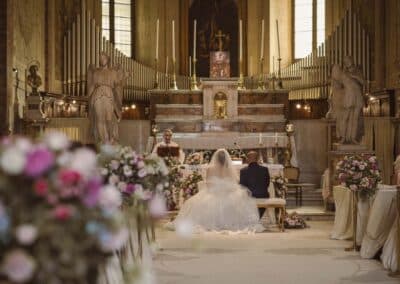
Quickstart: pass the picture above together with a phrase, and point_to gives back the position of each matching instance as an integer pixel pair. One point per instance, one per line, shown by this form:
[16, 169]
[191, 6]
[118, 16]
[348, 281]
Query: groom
[255, 178]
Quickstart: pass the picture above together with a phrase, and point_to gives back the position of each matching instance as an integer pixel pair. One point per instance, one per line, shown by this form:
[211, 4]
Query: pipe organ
[309, 77]
[82, 46]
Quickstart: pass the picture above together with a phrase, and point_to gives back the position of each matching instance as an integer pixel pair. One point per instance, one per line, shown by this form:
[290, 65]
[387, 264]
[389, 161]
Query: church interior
[311, 88]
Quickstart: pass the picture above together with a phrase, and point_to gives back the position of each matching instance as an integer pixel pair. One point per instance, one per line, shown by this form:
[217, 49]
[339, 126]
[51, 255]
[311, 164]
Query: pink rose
[62, 212]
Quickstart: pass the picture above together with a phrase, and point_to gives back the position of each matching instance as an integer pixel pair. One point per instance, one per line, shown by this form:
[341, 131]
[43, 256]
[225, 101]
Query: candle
[194, 39]
[190, 66]
[276, 138]
[166, 67]
[157, 36]
[173, 41]
[259, 138]
[240, 41]
[251, 66]
[273, 63]
[277, 36]
[262, 40]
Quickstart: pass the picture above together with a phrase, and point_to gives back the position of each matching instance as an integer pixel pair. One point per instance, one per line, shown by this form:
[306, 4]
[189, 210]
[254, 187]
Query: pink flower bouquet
[359, 173]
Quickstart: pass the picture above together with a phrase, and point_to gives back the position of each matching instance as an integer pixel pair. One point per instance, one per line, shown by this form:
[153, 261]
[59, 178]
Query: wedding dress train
[221, 204]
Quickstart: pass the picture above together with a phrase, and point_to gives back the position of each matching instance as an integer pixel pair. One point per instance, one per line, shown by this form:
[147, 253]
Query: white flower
[184, 228]
[142, 173]
[12, 161]
[103, 171]
[110, 198]
[56, 140]
[114, 241]
[26, 234]
[140, 164]
[108, 150]
[64, 159]
[18, 266]
[353, 187]
[122, 186]
[113, 179]
[23, 144]
[361, 167]
[128, 171]
[157, 206]
[159, 187]
[149, 169]
[83, 161]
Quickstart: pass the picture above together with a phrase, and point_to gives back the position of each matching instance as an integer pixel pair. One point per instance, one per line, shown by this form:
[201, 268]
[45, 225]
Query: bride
[221, 204]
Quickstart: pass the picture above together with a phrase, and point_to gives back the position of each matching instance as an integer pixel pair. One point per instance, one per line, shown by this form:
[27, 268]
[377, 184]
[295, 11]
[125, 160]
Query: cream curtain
[381, 131]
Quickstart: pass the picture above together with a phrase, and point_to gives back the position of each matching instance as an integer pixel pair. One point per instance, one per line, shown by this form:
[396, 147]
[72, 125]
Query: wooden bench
[278, 203]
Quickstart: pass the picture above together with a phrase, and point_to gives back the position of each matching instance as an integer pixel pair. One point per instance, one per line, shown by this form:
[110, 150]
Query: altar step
[313, 213]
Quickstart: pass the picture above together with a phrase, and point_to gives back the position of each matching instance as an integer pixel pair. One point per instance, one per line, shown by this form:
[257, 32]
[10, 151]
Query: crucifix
[220, 36]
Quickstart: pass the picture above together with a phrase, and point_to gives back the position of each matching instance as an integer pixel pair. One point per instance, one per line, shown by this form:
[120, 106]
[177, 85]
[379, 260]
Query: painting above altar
[220, 64]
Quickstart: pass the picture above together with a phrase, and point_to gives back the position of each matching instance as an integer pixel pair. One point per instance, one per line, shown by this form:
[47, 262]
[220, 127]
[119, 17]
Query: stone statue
[33, 79]
[104, 88]
[347, 102]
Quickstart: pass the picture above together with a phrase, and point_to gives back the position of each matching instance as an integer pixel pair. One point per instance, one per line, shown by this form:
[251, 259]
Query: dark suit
[256, 179]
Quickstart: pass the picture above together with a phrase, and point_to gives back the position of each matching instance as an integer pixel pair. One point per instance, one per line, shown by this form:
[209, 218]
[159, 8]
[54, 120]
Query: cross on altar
[220, 36]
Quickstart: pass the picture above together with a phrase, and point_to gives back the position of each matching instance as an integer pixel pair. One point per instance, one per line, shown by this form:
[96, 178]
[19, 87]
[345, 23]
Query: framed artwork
[220, 64]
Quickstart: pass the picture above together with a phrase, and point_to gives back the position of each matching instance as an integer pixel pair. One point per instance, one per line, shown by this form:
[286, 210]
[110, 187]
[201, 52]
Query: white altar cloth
[343, 225]
[382, 216]
[389, 253]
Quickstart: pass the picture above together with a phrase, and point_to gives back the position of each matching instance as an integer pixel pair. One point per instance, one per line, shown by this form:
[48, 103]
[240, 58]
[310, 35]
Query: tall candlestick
[240, 41]
[194, 38]
[166, 66]
[262, 40]
[190, 66]
[251, 66]
[277, 36]
[157, 37]
[273, 63]
[173, 41]
[259, 138]
[276, 138]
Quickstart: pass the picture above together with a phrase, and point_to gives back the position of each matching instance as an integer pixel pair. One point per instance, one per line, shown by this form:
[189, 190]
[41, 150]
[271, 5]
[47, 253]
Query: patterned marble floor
[295, 256]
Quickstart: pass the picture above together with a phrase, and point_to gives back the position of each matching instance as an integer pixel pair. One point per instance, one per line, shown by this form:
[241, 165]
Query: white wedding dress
[221, 204]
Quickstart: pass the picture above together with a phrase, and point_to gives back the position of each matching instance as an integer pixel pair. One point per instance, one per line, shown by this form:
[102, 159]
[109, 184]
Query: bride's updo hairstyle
[221, 158]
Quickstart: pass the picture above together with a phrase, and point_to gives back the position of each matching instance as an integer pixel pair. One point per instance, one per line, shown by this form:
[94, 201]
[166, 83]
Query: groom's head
[252, 157]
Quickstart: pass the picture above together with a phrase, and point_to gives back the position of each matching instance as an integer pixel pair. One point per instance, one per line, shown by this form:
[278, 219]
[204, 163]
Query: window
[309, 26]
[117, 24]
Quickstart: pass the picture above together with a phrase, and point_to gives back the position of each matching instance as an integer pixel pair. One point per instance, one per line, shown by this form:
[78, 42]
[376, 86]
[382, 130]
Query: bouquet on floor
[359, 173]
[58, 222]
[294, 221]
[190, 185]
[280, 187]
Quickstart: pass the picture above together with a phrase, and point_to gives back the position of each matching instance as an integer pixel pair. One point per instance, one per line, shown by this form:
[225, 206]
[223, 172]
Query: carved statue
[104, 86]
[33, 79]
[347, 102]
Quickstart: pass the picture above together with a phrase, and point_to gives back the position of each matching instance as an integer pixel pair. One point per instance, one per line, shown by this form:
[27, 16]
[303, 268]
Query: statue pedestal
[349, 147]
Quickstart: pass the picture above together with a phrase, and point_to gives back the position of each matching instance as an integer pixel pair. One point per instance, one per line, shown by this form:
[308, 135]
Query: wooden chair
[292, 174]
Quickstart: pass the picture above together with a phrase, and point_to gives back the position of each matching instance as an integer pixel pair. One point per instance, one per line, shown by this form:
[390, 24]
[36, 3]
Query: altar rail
[83, 44]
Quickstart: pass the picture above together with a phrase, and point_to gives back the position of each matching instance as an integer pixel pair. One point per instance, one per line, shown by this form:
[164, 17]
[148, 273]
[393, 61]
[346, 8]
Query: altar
[220, 115]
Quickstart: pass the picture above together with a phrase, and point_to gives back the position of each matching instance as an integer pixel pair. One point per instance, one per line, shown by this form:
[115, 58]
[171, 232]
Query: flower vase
[363, 206]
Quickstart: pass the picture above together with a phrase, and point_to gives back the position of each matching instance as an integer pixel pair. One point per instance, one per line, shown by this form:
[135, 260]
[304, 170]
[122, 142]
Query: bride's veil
[221, 163]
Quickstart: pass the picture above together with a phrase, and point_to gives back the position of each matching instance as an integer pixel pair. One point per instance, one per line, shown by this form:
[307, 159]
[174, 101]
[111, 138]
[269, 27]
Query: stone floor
[295, 256]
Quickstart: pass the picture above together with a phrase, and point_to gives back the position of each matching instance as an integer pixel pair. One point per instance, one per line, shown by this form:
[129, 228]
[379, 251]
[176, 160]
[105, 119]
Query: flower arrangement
[359, 173]
[279, 183]
[190, 185]
[138, 178]
[195, 159]
[294, 221]
[58, 222]
[175, 176]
